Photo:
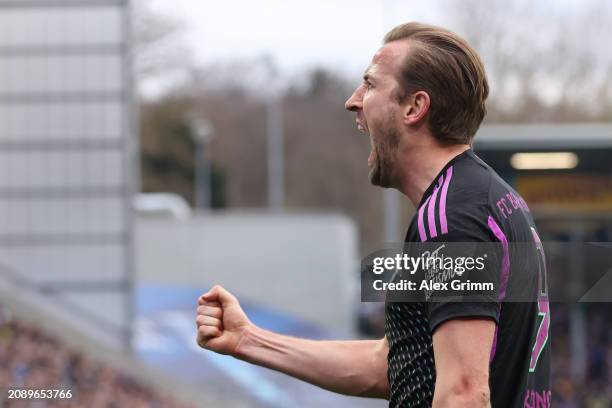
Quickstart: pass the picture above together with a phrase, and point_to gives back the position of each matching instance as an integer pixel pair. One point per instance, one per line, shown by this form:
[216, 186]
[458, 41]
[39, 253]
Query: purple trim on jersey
[449, 175]
[494, 347]
[422, 234]
[499, 234]
[431, 217]
[503, 281]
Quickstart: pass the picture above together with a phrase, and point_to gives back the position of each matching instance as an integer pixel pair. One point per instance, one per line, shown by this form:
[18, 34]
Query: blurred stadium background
[135, 174]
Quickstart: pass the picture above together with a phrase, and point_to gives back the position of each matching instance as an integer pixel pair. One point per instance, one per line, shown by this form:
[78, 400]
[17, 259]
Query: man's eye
[368, 84]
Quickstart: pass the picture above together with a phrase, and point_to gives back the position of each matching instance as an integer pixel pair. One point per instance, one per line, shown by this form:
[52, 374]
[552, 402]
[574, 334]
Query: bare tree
[545, 61]
[158, 50]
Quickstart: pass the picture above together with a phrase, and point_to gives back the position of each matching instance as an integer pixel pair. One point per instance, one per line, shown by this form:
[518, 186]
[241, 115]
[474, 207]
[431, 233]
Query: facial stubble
[381, 174]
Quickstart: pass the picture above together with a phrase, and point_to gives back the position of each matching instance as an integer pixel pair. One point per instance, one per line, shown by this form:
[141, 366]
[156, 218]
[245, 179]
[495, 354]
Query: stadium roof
[542, 136]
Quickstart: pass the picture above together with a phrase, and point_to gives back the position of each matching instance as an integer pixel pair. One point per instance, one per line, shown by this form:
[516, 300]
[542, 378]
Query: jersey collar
[429, 190]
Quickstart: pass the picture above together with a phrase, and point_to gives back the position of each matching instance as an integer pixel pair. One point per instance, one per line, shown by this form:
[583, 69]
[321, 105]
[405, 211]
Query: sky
[341, 34]
[338, 34]
[296, 33]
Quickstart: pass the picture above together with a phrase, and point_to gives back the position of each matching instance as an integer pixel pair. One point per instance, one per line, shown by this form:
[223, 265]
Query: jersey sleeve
[468, 236]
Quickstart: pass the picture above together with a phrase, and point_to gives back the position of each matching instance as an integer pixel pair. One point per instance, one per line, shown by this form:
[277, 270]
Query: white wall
[304, 265]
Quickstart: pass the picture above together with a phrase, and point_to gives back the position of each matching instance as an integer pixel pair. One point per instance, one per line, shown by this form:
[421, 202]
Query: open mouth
[372, 156]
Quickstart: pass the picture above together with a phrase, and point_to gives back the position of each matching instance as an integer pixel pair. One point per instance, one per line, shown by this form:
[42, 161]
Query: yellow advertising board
[574, 192]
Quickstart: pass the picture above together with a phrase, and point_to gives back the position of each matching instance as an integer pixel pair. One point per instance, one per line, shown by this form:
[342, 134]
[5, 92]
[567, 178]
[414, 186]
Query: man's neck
[421, 164]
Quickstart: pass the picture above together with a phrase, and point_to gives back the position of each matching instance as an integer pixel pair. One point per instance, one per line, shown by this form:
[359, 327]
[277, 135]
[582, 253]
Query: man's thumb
[218, 293]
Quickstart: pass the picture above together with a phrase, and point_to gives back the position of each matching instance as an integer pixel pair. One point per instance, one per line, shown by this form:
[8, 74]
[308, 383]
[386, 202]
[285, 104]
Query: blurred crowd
[595, 390]
[32, 359]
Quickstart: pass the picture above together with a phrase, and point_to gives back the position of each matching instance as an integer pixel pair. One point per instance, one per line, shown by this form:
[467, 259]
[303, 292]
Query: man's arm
[357, 368]
[462, 350]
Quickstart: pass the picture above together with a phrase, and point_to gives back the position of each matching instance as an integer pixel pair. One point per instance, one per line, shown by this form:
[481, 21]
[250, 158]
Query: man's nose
[354, 103]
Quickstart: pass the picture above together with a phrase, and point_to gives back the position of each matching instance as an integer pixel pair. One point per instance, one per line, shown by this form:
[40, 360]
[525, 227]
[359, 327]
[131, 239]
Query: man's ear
[415, 108]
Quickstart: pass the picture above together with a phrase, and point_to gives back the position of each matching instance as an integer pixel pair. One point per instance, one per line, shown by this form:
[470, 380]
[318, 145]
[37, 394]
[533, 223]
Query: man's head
[424, 78]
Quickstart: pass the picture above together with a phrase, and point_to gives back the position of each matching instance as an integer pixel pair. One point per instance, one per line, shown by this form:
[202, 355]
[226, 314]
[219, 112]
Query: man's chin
[377, 179]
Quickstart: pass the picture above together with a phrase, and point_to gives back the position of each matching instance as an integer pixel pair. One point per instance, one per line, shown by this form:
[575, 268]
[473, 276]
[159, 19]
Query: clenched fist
[221, 322]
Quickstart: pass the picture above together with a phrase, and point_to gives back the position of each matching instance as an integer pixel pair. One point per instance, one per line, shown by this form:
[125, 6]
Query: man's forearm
[356, 368]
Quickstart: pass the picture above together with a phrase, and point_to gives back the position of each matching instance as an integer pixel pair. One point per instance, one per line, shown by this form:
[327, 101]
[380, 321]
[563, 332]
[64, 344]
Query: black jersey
[469, 202]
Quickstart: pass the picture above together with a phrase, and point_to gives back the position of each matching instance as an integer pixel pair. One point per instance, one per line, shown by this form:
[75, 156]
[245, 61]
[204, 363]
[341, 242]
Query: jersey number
[543, 307]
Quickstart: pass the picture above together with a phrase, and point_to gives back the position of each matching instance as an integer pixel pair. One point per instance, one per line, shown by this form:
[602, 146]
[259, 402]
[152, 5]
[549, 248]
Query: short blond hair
[445, 66]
